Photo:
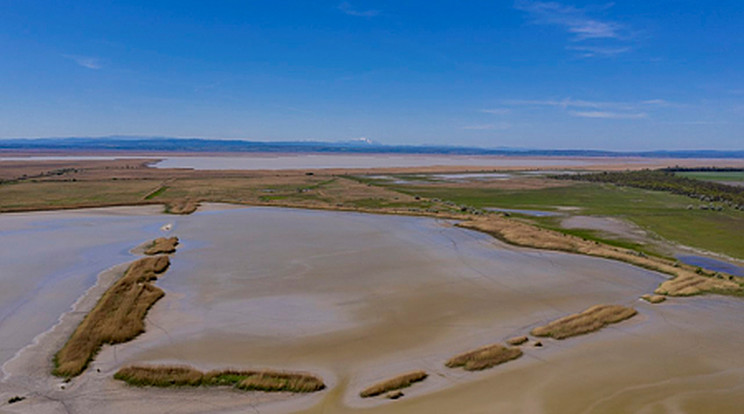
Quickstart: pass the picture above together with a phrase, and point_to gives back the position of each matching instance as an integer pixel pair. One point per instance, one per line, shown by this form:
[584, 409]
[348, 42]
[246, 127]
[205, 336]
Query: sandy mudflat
[359, 298]
[49, 259]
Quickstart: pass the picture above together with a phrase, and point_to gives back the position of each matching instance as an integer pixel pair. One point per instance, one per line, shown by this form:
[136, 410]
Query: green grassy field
[713, 176]
[662, 213]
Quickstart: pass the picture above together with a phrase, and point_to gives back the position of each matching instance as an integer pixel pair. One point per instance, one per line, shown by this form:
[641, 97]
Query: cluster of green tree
[663, 180]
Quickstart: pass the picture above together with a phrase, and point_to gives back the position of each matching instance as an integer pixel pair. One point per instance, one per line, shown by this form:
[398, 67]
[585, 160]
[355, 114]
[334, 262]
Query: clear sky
[629, 75]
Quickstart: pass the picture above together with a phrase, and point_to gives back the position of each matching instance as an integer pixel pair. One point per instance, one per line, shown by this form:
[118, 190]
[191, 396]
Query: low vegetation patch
[15, 399]
[117, 317]
[590, 320]
[178, 376]
[156, 192]
[485, 357]
[394, 384]
[517, 340]
[162, 245]
[653, 298]
[692, 283]
[184, 206]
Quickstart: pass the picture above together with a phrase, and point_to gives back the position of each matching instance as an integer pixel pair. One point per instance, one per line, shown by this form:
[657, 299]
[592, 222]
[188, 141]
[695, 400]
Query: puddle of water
[534, 213]
[471, 177]
[712, 264]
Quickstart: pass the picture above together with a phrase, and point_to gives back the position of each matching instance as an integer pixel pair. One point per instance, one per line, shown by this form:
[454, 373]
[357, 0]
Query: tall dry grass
[653, 298]
[399, 382]
[590, 320]
[117, 317]
[483, 358]
[174, 376]
[182, 206]
[162, 245]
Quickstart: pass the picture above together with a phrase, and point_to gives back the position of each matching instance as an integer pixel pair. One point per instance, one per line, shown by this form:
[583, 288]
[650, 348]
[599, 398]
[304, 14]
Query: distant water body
[263, 161]
[315, 161]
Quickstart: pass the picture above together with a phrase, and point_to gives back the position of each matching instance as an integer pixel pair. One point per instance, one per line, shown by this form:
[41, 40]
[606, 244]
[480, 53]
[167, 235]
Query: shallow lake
[48, 260]
[358, 298]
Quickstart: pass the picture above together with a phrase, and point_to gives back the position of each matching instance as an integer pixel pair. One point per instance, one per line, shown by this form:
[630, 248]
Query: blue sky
[629, 75]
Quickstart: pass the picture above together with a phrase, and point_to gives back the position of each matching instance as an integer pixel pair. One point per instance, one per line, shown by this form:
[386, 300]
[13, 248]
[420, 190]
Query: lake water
[268, 161]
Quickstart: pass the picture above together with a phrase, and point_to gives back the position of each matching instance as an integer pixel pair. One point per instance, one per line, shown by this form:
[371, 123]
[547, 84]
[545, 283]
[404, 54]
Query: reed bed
[653, 298]
[117, 317]
[517, 340]
[590, 320]
[485, 357]
[181, 206]
[181, 376]
[162, 245]
[394, 384]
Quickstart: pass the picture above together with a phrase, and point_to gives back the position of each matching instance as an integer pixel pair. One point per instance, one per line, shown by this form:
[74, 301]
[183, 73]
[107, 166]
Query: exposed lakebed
[357, 298]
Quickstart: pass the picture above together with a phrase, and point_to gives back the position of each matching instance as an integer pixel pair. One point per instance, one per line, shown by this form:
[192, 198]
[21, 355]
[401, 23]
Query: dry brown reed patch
[117, 317]
[517, 340]
[160, 376]
[689, 283]
[590, 320]
[183, 206]
[485, 357]
[653, 298]
[162, 245]
[177, 376]
[393, 384]
[280, 381]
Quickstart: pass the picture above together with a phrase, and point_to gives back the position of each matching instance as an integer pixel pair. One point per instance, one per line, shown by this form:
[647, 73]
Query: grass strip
[590, 320]
[157, 192]
[180, 376]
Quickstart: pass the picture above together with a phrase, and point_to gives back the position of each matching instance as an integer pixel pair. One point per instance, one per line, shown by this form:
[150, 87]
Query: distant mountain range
[359, 146]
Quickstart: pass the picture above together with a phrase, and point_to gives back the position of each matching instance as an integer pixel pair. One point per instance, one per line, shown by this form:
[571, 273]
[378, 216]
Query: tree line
[666, 180]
